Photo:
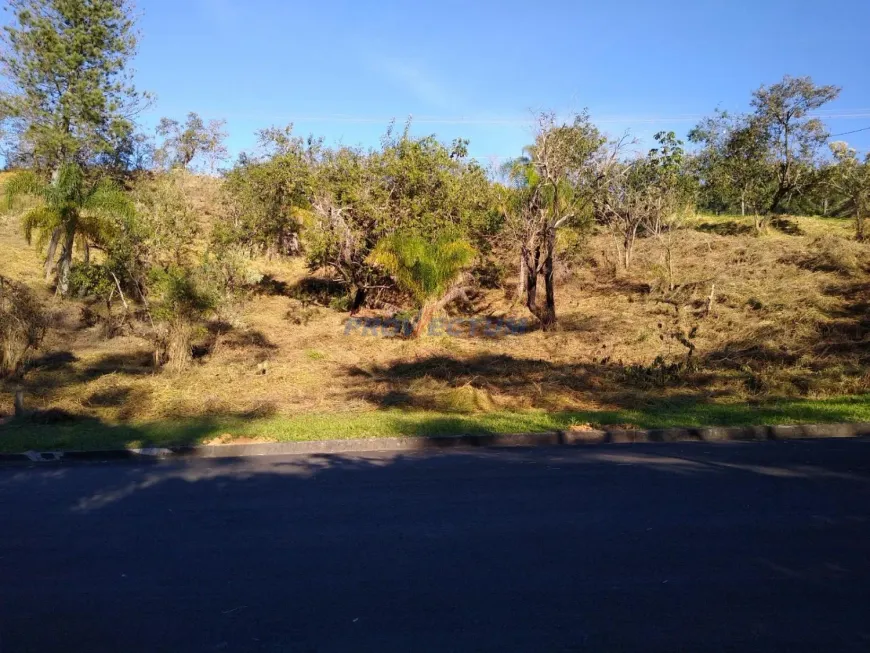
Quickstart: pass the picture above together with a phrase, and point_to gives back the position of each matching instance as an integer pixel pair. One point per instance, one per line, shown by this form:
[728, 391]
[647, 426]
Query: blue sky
[478, 69]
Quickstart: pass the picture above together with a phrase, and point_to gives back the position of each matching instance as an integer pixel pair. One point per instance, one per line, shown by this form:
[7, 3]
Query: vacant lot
[758, 328]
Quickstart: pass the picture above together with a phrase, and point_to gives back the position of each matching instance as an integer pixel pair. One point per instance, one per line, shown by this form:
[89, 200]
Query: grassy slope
[786, 336]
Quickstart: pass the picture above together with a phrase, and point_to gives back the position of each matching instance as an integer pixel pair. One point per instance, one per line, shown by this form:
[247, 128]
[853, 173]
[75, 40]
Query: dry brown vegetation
[783, 314]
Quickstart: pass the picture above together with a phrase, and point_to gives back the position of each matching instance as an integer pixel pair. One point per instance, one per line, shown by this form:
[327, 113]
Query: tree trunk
[629, 238]
[521, 284]
[532, 282]
[65, 264]
[426, 315]
[742, 207]
[178, 347]
[548, 314]
[860, 236]
[52, 250]
[431, 308]
[776, 201]
[359, 299]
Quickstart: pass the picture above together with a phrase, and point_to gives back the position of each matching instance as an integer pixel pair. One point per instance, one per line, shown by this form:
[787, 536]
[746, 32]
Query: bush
[22, 325]
[181, 302]
[89, 279]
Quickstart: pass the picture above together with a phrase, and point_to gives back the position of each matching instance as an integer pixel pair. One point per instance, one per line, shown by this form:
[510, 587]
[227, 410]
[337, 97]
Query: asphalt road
[695, 547]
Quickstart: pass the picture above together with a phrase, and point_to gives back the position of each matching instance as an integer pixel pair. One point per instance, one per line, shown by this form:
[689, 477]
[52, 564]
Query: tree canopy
[71, 95]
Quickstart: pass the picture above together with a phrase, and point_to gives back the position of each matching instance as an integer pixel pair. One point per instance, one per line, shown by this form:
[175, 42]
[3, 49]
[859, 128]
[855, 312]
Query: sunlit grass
[93, 434]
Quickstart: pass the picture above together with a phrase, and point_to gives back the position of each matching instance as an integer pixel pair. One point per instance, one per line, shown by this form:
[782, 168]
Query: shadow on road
[641, 547]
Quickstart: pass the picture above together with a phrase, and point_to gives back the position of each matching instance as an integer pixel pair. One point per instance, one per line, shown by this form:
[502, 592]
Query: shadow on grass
[786, 226]
[59, 430]
[54, 430]
[308, 290]
[533, 382]
[727, 228]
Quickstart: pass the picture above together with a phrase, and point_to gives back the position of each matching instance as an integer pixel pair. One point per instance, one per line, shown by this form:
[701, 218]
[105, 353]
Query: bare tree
[646, 194]
[619, 207]
[182, 143]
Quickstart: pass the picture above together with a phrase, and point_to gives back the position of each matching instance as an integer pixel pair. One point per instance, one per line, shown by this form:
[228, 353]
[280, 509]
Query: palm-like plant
[68, 208]
[427, 269]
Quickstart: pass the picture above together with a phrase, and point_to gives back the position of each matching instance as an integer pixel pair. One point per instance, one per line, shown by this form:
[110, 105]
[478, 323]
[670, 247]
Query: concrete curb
[420, 443]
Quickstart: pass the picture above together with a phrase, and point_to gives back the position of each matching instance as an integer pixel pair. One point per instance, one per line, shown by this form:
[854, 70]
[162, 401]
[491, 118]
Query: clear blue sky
[477, 68]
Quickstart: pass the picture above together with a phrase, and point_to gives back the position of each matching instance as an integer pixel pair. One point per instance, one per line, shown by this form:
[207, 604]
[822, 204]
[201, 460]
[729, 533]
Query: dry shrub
[174, 344]
[178, 345]
[22, 325]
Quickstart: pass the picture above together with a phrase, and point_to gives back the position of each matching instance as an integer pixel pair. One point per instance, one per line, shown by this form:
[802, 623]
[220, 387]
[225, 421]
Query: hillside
[788, 319]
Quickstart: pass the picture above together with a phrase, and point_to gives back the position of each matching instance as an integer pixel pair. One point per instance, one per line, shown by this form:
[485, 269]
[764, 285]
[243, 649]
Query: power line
[854, 131]
[504, 121]
[517, 121]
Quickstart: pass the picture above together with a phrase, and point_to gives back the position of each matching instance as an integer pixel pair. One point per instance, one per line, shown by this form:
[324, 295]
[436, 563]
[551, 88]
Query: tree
[151, 258]
[648, 194]
[409, 184]
[849, 179]
[72, 207]
[551, 187]
[669, 192]
[794, 138]
[70, 96]
[735, 164]
[429, 269]
[180, 298]
[183, 143]
[267, 196]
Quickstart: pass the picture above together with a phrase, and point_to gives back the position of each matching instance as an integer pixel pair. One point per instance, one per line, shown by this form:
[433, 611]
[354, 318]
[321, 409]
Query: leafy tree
[70, 96]
[267, 197]
[794, 138]
[73, 207]
[180, 298]
[184, 142]
[409, 184]
[735, 164]
[849, 179]
[429, 269]
[551, 187]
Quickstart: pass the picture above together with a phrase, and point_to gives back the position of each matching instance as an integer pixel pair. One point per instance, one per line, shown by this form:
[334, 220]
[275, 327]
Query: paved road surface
[731, 547]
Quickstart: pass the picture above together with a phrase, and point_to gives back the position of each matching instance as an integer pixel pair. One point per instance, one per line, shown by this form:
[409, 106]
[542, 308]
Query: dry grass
[789, 318]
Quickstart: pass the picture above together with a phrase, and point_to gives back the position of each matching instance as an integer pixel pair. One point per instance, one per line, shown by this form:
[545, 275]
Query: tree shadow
[308, 290]
[726, 228]
[786, 226]
[436, 382]
[52, 361]
[59, 430]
